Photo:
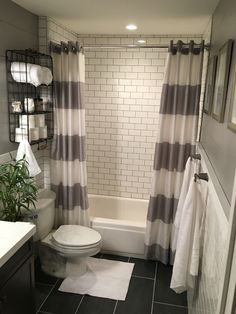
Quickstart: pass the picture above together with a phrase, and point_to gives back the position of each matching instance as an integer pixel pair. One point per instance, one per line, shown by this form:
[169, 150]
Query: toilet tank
[44, 213]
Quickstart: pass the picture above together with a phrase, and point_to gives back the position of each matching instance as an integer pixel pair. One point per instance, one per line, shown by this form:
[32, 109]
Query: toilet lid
[73, 235]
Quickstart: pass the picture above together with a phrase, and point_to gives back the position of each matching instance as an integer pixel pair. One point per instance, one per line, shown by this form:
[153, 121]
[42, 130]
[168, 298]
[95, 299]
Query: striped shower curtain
[68, 166]
[176, 140]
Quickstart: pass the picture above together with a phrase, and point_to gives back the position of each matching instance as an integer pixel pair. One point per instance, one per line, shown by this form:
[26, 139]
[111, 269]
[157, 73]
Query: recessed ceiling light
[131, 27]
[141, 41]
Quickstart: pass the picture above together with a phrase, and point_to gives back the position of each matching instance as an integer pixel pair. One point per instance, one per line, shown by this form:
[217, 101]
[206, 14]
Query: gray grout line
[47, 296]
[143, 277]
[128, 259]
[115, 307]
[44, 284]
[79, 304]
[174, 305]
[154, 287]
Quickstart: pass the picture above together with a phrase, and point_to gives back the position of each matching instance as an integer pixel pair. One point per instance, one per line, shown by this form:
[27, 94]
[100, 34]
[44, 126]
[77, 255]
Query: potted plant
[18, 191]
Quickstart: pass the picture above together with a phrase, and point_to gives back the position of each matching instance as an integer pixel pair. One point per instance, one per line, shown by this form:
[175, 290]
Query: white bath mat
[104, 278]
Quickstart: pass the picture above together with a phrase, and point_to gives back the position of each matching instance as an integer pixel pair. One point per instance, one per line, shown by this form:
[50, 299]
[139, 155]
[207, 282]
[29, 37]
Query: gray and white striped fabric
[176, 140]
[68, 166]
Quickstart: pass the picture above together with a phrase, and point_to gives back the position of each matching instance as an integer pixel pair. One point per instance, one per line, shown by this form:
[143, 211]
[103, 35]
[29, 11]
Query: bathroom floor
[148, 293]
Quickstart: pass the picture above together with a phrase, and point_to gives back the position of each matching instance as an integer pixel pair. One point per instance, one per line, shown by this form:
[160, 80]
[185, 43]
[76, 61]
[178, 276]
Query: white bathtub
[121, 223]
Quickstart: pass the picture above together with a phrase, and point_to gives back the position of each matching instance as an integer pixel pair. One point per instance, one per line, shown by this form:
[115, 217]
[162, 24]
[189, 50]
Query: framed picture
[210, 83]
[232, 110]
[222, 76]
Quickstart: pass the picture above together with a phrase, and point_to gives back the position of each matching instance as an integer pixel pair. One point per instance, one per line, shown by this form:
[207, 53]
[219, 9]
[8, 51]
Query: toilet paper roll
[39, 120]
[22, 133]
[27, 120]
[34, 134]
[43, 132]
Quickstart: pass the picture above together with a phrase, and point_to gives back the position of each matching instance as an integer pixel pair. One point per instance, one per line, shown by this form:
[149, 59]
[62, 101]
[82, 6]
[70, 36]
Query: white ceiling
[153, 17]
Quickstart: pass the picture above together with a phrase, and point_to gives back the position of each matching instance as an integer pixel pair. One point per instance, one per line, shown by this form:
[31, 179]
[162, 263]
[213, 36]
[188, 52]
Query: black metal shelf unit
[22, 92]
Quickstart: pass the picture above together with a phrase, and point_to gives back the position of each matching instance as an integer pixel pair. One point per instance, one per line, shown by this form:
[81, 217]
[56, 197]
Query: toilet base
[59, 266]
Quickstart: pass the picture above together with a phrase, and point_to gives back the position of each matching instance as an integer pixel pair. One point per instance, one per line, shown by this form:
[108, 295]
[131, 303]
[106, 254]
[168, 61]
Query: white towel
[46, 76]
[187, 255]
[33, 73]
[25, 149]
[192, 166]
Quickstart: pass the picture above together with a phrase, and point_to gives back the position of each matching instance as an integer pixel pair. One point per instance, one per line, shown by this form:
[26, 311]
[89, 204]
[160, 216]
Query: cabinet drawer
[17, 295]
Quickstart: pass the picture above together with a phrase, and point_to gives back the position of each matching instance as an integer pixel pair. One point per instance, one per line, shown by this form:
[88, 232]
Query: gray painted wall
[218, 141]
[18, 30]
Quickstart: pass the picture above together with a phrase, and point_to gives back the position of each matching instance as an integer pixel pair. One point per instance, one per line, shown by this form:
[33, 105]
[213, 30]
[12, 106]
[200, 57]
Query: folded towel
[25, 149]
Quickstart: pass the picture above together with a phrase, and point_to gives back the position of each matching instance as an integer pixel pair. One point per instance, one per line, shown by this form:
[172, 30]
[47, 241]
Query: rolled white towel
[18, 71]
[47, 76]
[27, 73]
[35, 74]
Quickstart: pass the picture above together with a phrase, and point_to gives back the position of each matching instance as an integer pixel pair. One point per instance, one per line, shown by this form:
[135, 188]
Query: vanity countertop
[12, 236]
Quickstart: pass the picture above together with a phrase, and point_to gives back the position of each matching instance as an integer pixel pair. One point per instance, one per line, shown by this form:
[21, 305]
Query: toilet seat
[75, 236]
[74, 241]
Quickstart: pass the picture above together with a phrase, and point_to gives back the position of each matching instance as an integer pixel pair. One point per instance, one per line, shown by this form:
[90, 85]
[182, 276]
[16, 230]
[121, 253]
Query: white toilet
[62, 252]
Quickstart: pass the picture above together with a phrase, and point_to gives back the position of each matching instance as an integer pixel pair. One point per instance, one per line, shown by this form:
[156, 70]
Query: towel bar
[196, 156]
[202, 176]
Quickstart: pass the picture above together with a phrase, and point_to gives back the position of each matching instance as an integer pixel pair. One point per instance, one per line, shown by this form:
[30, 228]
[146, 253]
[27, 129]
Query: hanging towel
[192, 166]
[187, 255]
[25, 149]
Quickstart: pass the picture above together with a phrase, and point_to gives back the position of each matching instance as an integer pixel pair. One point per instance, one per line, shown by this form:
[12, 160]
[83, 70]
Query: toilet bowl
[63, 251]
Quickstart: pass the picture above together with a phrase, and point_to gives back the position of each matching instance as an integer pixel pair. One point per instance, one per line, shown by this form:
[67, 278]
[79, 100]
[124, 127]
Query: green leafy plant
[18, 191]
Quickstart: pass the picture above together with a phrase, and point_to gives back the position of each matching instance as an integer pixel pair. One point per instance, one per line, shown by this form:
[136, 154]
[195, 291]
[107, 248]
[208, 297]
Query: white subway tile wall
[123, 91]
[49, 30]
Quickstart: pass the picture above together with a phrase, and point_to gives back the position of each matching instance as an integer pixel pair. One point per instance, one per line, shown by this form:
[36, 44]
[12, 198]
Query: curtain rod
[206, 46]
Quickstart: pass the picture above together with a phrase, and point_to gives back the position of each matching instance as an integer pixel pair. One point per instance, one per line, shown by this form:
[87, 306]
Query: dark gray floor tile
[41, 277]
[163, 293]
[143, 268]
[61, 302]
[41, 292]
[115, 257]
[168, 309]
[139, 297]
[94, 305]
